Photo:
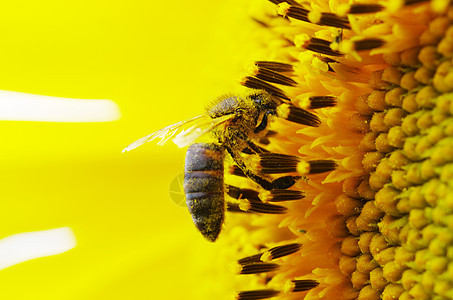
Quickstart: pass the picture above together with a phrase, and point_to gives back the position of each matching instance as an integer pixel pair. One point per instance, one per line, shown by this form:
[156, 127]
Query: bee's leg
[252, 148]
[265, 139]
[283, 183]
[263, 123]
[279, 183]
[248, 151]
[266, 184]
[240, 193]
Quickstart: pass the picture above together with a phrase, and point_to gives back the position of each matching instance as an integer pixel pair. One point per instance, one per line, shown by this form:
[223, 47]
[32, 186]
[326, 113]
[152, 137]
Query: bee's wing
[183, 133]
[164, 134]
[204, 125]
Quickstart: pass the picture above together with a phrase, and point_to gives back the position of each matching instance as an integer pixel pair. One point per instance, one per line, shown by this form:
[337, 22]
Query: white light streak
[16, 106]
[29, 245]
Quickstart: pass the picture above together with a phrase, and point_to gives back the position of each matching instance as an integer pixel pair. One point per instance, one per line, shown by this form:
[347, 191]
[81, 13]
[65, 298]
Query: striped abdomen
[203, 186]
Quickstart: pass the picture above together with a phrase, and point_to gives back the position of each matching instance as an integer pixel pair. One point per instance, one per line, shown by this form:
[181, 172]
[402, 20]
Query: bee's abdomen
[203, 186]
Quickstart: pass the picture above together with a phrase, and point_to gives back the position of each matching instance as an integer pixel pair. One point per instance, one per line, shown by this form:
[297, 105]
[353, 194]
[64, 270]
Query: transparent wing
[182, 133]
[165, 133]
[203, 126]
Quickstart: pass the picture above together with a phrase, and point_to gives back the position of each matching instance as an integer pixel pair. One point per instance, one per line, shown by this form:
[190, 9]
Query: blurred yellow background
[160, 62]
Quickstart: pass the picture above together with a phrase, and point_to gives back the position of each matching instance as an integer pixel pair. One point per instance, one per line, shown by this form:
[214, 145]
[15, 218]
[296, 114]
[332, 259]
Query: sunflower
[376, 74]
[131, 239]
[379, 75]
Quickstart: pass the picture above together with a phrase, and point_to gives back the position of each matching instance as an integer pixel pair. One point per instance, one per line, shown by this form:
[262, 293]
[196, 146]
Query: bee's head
[263, 101]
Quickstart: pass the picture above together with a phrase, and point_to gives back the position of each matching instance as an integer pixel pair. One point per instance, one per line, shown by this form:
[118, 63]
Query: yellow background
[160, 62]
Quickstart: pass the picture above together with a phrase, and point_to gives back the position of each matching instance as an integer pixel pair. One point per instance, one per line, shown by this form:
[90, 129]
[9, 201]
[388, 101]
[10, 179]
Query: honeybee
[233, 122]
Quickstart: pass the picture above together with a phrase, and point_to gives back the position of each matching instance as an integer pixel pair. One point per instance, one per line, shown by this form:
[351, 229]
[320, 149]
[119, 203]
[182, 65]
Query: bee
[233, 122]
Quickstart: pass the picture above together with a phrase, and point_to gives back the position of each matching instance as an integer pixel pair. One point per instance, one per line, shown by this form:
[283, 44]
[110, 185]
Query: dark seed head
[304, 285]
[257, 294]
[274, 66]
[256, 268]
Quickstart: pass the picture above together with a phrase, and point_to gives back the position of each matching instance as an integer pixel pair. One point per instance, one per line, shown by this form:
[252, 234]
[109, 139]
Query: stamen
[273, 76]
[315, 166]
[297, 115]
[279, 169]
[315, 102]
[303, 285]
[368, 44]
[321, 46]
[275, 163]
[281, 251]
[410, 2]
[329, 19]
[349, 46]
[292, 2]
[257, 294]
[275, 66]
[362, 8]
[271, 155]
[257, 268]
[238, 193]
[328, 60]
[293, 11]
[247, 151]
[271, 254]
[250, 259]
[281, 195]
[235, 208]
[255, 83]
[235, 170]
[266, 208]
[302, 14]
